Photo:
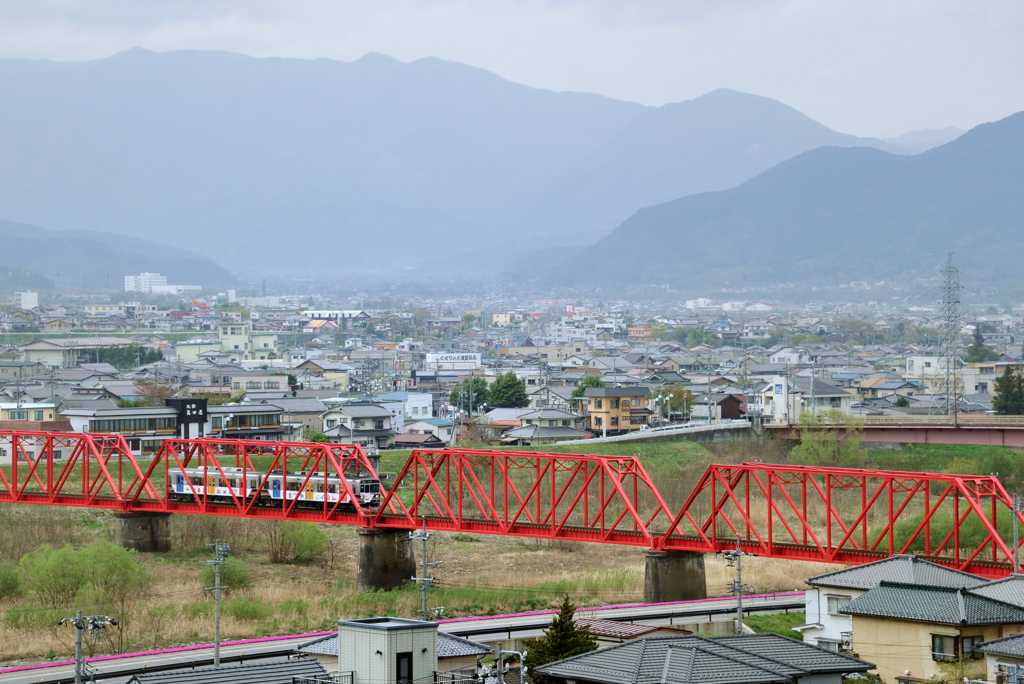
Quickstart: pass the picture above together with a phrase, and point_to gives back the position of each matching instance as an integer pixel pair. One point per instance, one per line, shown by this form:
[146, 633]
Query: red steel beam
[824, 514]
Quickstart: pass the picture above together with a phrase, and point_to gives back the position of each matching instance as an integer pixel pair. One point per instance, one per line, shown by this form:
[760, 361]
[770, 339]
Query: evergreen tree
[978, 352]
[563, 639]
[1009, 393]
[479, 393]
[589, 380]
[508, 391]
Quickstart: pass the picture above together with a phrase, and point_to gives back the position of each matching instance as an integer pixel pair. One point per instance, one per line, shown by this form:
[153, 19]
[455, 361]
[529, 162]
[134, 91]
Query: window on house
[358, 423]
[835, 603]
[19, 415]
[597, 420]
[331, 423]
[378, 424]
[38, 415]
[237, 385]
[969, 647]
[615, 403]
[615, 421]
[943, 647]
[552, 423]
[565, 423]
[597, 403]
[253, 385]
[271, 385]
[216, 422]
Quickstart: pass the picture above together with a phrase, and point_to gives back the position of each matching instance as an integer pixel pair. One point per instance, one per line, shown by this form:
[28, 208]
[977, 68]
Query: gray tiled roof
[448, 646]
[451, 646]
[1012, 645]
[900, 568]
[763, 658]
[279, 672]
[1008, 590]
[940, 605]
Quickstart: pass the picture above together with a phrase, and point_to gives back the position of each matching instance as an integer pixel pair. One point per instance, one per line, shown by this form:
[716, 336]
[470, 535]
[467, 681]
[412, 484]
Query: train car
[237, 484]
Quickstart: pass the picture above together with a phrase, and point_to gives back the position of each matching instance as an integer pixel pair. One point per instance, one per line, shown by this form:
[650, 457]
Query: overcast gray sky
[860, 66]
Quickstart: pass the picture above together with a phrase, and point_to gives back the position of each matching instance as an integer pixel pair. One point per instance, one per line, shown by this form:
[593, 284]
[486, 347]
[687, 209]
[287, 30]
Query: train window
[293, 486]
[332, 489]
[319, 488]
[196, 480]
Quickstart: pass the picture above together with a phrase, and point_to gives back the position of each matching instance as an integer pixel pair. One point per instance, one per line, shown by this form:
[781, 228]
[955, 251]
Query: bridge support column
[149, 532]
[386, 559]
[674, 576]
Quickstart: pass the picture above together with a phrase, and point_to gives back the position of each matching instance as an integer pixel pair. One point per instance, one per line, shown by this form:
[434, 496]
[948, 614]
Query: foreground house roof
[902, 568]
[939, 605]
[753, 658]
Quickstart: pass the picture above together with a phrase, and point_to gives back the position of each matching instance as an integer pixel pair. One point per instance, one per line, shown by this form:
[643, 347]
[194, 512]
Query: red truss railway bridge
[835, 515]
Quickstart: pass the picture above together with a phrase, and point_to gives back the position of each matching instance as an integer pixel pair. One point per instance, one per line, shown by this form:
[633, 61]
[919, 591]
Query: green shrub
[33, 617]
[234, 575]
[10, 584]
[102, 574]
[295, 542]
[242, 608]
[197, 609]
[292, 607]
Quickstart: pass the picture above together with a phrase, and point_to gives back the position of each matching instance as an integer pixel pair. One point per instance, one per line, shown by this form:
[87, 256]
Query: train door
[276, 489]
[309, 491]
[211, 485]
[179, 483]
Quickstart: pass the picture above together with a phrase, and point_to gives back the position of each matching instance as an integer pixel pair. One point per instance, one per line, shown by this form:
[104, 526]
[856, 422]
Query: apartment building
[615, 410]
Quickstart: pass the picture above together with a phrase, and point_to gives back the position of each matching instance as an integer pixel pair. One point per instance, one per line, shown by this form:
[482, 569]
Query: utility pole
[220, 557]
[426, 579]
[735, 558]
[709, 387]
[1016, 535]
[92, 623]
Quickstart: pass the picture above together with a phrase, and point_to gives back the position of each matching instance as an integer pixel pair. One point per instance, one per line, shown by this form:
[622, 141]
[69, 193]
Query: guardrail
[692, 427]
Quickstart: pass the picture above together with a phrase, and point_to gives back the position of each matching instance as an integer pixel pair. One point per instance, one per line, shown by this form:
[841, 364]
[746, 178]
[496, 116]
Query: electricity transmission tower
[951, 384]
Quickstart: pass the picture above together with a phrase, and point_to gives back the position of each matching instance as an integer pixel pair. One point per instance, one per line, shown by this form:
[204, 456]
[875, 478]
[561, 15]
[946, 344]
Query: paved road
[485, 629]
[683, 612]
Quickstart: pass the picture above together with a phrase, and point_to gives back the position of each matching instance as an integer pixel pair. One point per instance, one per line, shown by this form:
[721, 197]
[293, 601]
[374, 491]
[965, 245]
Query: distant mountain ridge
[310, 166]
[90, 259]
[833, 215]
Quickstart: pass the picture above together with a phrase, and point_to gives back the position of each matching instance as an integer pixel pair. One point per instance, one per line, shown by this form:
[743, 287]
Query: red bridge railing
[781, 511]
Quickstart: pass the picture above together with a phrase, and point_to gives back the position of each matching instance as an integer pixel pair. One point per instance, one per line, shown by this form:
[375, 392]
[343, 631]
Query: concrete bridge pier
[674, 576]
[149, 532]
[386, 559]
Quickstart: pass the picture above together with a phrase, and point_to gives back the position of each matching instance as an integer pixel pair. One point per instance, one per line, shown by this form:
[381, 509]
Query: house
[418, 441]
[67, 352]
[1004, 657]
[244, 421]
[609, 632]
[300, 413]
[320, 326]
[410, 405]
[742, 659]
[545, 426]
[617, 409]
[756, 330]
[32, 412]
[439, 427]
[784, 399]
[145, 428]
[827, 627]
[724, 407]
[908, 630]
[453, 653]
[362, 423]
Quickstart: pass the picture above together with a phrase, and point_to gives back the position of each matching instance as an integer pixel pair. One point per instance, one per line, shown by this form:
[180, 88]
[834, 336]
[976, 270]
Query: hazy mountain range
[95, 260]
[275, 166]
[833, 215]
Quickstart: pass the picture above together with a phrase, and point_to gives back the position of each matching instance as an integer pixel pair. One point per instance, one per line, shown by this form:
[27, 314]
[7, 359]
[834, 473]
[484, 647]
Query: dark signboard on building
[189, 410]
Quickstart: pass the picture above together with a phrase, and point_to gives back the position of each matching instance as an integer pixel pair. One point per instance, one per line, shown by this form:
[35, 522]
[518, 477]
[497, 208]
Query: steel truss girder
[836, 515]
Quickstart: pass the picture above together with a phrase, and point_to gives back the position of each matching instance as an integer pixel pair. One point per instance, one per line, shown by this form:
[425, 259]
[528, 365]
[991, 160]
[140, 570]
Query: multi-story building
[26, 300]
[614, 410]
[241, 343]
[144, 282]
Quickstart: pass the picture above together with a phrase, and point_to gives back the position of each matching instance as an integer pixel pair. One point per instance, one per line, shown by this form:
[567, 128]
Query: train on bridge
[309, 490]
